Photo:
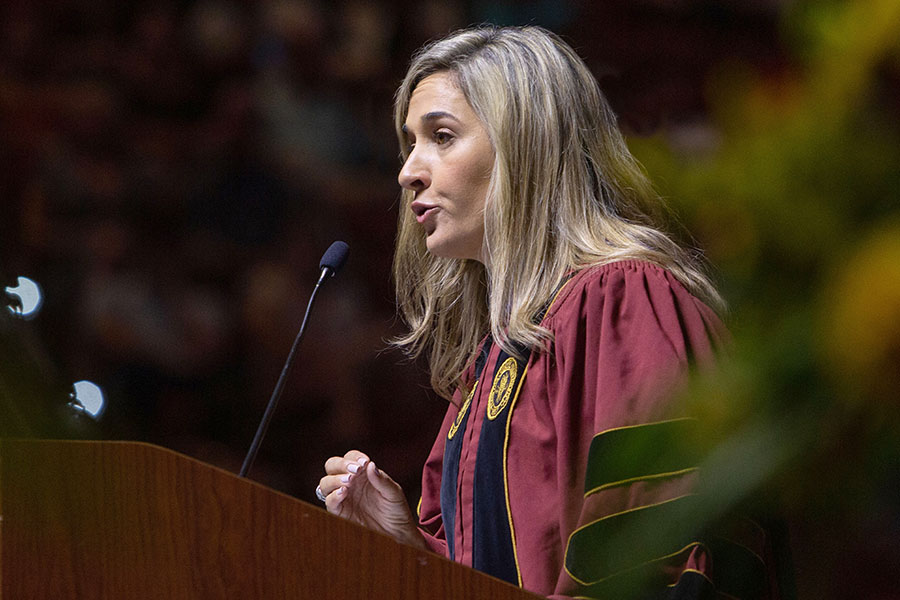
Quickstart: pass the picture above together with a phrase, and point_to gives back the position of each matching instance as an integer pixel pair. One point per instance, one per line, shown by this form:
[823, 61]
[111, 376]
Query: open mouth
[422, 210]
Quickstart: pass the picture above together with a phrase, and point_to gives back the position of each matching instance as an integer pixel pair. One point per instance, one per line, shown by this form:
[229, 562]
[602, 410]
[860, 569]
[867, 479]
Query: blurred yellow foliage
[797, 203]
[860, 323]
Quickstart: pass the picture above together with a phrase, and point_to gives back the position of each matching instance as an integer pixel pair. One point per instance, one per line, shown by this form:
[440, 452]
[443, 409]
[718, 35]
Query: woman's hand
[357, 490]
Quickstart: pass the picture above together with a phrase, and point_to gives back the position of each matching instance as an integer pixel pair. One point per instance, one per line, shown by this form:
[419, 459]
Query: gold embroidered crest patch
[462, 412]
[502, 388]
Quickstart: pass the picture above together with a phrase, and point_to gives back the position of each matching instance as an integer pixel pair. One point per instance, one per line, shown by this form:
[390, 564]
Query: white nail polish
[353, 468]
[345, 478]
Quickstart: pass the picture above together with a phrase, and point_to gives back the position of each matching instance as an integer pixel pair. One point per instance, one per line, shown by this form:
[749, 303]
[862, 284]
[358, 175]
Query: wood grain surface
[123, 520]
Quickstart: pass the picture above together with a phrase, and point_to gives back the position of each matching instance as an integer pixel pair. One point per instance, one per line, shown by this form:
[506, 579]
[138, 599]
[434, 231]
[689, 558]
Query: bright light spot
[29, 298]
[89, 398]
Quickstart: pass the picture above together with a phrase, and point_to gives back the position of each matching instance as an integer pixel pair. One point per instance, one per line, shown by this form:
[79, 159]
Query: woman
[557, 317]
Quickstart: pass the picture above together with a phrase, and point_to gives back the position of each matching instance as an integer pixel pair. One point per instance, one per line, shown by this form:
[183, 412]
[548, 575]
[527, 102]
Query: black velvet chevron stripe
[493, 550]
[492, 540]
[450, 466]
[639, 452]
[645, 534]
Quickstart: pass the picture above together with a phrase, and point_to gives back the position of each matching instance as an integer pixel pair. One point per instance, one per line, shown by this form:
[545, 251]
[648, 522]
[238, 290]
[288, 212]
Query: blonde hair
[565, 193]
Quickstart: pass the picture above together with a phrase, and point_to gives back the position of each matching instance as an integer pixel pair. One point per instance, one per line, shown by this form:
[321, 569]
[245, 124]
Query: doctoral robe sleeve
[624, 343]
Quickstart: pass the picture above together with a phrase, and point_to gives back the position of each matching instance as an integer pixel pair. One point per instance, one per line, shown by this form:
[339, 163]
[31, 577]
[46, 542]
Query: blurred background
[171, 172]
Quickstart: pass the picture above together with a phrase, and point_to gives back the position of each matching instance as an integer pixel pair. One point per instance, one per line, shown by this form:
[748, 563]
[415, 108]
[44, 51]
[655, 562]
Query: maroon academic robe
[527, 473]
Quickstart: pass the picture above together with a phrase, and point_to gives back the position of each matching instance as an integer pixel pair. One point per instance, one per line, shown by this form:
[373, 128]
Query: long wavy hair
[565, 193]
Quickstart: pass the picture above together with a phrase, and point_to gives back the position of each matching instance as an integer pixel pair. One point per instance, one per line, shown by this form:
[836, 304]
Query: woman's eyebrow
[431, 116]
[437, 114]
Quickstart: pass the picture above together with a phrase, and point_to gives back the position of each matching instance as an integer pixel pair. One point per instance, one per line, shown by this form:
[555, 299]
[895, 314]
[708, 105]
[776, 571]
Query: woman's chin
[441, 251]
[438, 247]
[442, 247]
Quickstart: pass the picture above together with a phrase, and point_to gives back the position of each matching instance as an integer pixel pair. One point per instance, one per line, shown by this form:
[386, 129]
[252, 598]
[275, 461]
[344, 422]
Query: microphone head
[335, 257]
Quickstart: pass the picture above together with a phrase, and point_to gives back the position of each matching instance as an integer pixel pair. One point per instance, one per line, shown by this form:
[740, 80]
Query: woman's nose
[414, 175]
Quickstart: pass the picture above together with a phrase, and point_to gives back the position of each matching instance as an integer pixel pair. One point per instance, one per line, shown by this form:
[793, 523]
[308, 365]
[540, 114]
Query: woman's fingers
[355, 456]
[331, 483]
[334, 499]
[349, 463]
[341, 471]
[335, 465]
[356, 489]
[348, 477]
[382, 482]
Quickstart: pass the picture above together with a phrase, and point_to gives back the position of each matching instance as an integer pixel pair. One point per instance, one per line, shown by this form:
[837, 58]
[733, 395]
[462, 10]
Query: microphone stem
[276, 393]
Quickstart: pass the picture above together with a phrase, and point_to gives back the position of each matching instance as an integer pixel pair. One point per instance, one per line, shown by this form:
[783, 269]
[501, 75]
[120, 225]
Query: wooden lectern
[124, 520]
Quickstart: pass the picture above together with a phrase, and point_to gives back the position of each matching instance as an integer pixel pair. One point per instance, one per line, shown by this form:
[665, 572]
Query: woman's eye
[442, 137]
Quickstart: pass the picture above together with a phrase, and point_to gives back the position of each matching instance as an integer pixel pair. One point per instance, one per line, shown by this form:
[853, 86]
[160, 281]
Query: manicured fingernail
[353, 468]
[345, 478]
[341, 491]
[363, 461]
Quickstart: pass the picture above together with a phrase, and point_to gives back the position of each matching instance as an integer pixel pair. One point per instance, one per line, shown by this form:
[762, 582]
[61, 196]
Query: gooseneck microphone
[332, 261]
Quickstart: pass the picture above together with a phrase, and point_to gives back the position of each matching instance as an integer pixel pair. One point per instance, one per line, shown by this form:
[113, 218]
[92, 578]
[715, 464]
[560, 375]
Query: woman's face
[448, 169]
